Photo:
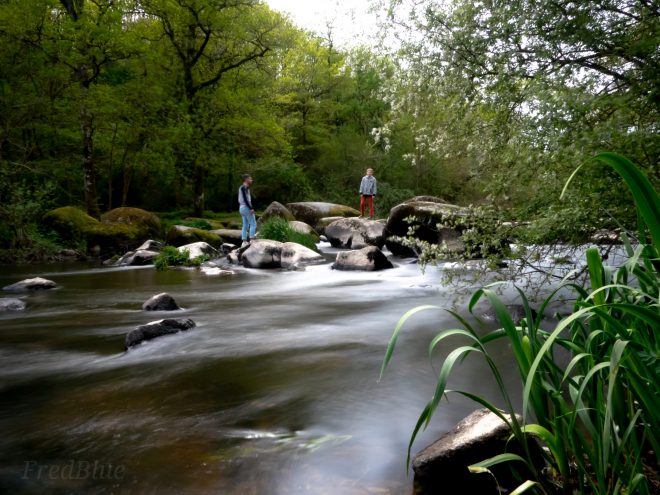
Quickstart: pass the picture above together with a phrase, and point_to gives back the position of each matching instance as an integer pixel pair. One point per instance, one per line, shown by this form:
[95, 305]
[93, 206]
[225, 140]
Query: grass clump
[171, 256]
[597, 415]
[278, 229]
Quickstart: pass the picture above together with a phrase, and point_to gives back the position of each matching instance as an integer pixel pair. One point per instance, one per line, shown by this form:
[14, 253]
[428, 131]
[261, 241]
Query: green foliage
[277, 180]
[498, 102]
[198, 223]
[177, 101]
[278, 229]
[595, 416]
[171, 256]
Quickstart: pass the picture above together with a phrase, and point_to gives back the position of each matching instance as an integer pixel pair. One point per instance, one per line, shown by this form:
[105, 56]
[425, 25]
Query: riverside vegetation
[596, 414]
[161, 106]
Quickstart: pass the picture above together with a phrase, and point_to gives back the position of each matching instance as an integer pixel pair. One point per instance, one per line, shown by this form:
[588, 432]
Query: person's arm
[375, 186]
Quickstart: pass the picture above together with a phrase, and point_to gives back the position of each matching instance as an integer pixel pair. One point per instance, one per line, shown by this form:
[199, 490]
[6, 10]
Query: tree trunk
[198, 191]
[89, 172]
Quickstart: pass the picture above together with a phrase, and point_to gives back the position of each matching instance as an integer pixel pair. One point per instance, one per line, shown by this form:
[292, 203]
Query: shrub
[597, 416]
[278, 229]
[170, 256]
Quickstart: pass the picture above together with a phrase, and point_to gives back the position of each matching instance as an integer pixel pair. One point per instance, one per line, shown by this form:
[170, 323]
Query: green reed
[597, 416]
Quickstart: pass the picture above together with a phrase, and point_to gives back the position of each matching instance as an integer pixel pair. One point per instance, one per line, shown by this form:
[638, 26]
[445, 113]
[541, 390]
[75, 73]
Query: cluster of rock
[340, 225]
[27, 285]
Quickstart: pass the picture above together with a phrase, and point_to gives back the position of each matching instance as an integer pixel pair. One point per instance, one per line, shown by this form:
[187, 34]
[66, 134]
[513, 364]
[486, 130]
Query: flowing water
[275, 391]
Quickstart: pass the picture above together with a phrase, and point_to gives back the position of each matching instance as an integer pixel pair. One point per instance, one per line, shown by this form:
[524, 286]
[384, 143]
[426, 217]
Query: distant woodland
[162, 104]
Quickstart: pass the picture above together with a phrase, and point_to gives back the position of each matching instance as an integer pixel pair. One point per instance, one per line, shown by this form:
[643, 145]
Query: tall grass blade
[395, 334]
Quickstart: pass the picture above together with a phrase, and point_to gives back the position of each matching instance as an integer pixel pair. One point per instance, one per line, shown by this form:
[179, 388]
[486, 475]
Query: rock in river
[156, 329]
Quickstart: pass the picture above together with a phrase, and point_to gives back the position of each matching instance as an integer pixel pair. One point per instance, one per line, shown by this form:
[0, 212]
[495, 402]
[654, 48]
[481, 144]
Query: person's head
[247, 179]
[370, 171]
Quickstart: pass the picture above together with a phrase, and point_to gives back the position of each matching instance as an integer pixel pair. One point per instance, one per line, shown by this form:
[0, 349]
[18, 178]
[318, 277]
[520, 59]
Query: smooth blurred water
[274, 392]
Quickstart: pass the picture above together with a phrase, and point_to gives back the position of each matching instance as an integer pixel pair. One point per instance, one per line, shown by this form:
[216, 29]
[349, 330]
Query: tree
[531, 87]
[208, 39]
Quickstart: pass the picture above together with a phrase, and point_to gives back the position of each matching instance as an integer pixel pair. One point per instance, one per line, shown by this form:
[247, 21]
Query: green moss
[121, 230]
[146, 223]
[180, 237]
[71, 225]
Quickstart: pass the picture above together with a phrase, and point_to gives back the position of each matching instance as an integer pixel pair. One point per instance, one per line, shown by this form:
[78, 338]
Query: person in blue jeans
[246, 210]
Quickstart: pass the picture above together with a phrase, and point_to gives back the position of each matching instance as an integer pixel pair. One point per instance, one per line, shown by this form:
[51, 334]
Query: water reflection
[274, 392]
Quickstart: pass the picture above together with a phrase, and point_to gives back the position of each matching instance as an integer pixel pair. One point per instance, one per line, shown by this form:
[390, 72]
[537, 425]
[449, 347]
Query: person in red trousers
[368, 188]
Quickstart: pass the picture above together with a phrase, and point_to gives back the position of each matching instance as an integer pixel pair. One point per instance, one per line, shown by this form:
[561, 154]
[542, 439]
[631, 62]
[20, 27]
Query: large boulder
[295, 255]
[262, 253]
[311, 212]
[143, 255]
[303, 228]
[151, 245]
[120, 230]
[72, 225]
[427, 216]
[139, 257]
[145, 224]
[324, 222]
[197, 249]
[276, 209]
[156, 329]
[442, 467]
[160, 302]
[179, 235]
[369, 258]
[232, 236]
[11, 304]
[355, 233]
[31, 284]
[266, 253]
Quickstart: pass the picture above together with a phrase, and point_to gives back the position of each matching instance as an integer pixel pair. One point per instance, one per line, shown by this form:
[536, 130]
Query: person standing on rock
[368, 188]
[246, 210]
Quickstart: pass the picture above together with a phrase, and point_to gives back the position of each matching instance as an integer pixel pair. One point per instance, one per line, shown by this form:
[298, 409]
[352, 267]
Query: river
[275, 391]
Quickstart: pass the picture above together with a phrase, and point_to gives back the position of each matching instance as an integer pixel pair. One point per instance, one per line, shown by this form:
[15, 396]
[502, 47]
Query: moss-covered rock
[180, 235]
[117, 233]
[312, 212]
[146, 224]
[71, 224]
[276, 209]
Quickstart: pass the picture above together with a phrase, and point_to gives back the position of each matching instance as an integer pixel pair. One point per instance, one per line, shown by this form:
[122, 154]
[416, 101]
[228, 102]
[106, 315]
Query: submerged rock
[160, 302]
[11, 304]
[31, 284]
[156, 329]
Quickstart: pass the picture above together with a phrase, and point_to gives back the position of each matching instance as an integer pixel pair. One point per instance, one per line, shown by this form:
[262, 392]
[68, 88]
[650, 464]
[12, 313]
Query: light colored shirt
[244, 196]
[368, 185]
